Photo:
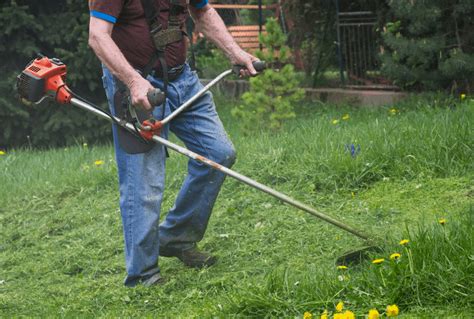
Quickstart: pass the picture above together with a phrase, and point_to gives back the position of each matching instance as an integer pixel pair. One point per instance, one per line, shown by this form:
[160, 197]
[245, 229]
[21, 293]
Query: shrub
[273, 94]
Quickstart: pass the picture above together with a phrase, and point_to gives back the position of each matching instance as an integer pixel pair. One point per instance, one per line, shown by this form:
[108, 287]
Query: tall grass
[435, 270]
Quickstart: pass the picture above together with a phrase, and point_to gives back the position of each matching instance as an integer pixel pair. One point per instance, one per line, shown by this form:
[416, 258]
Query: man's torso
[131, 31]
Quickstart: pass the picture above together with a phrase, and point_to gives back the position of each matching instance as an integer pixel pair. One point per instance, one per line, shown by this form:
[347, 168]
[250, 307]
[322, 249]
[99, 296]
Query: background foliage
[420, 51]
[430, 44]
[56, 29]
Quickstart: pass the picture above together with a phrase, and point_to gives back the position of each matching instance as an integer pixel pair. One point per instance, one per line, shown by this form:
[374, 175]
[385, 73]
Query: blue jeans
[142, 177]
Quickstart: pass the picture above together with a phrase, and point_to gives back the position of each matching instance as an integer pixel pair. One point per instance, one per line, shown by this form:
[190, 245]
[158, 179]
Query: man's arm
[100, 40]
[211, 24]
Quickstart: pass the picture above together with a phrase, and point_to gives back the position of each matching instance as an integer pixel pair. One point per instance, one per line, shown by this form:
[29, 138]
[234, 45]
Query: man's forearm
[100, 40]
[108, 52]
[211, 25]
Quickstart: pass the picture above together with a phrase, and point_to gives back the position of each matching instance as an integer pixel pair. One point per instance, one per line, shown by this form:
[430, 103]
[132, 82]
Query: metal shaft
[229, 172]
[195, 97]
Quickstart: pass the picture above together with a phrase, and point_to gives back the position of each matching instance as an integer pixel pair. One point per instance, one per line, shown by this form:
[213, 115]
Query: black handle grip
[155, 97]
[259, 66]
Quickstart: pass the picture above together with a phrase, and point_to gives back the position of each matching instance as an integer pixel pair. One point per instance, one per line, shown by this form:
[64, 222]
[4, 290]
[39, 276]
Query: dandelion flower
[98, 162]
[340, 306]
[348, 315]
[324, 315]
[394, 256]
[2, 153]
[442, 221]
[378, 261]
[403, 242]
[373, 314]
[345, 117]
[307, 315]
[335, 121]
[463, 96]
[392, 311]
[393, 111]
[342, 267]
[339, 316]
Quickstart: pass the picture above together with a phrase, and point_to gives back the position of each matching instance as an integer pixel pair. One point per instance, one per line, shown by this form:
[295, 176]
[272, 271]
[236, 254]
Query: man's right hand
[139, 88]
[100, 40]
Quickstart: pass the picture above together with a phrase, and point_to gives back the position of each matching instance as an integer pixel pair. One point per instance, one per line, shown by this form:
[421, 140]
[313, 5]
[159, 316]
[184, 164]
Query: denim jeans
[142, 177]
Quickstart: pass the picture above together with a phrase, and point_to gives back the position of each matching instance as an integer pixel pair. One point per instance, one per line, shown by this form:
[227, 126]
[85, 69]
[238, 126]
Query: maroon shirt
[131, 32]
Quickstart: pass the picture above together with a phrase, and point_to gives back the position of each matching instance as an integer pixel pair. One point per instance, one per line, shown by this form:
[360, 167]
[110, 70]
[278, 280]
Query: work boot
[154, 280]
[191, 257]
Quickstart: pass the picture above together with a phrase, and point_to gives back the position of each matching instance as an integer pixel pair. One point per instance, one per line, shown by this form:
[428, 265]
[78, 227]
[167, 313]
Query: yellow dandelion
[340, 306]
[403, 242]
[98, 162]
[463, 96]
[324, 315]
[342, 267]
[2, 153]
[392, 311]
[307, 315]
[348, 315]
[339, 316]
[394, 256]
[393, 111]
[345, 117]
[442, 221]
[373, 314]
[378, 261]
[335, 121]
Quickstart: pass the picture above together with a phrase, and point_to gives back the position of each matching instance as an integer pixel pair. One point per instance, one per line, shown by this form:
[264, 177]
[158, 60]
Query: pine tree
[430, 44]
[272, 94]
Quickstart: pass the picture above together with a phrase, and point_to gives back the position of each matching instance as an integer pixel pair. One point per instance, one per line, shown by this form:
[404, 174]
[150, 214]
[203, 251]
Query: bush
[273, 94]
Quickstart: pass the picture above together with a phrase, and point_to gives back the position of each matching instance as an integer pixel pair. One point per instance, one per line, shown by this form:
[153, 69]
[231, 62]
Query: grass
[61, 249]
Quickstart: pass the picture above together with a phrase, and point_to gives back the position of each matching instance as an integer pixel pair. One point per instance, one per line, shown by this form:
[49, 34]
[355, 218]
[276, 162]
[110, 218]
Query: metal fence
[357, 40]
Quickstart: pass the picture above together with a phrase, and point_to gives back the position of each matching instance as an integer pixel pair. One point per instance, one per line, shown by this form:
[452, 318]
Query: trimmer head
[357, 256]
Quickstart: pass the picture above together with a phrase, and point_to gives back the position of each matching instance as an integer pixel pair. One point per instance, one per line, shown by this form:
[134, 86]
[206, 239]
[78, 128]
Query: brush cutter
[45, 78]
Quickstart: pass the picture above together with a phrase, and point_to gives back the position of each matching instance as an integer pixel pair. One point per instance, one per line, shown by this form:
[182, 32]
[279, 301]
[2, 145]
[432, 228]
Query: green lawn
[61, 249]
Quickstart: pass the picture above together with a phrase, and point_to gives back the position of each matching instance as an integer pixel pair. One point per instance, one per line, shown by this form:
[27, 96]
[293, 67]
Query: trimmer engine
[43, 77]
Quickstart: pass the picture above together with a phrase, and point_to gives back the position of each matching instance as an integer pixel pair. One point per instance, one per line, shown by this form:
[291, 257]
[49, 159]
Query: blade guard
[43, 77]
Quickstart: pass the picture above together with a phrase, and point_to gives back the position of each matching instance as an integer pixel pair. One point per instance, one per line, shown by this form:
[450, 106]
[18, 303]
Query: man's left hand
[243, 58]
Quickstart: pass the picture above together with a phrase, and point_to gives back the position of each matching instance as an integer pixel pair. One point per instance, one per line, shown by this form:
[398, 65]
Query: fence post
[260, 22]
[339, 52]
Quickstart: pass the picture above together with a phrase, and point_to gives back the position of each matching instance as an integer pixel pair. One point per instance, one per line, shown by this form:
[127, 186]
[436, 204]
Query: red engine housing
[44, 77]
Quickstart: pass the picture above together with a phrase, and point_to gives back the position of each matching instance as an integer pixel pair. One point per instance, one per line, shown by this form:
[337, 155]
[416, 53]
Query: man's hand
[211, 24]
[139, 88]
[101, 42]
[240, 57]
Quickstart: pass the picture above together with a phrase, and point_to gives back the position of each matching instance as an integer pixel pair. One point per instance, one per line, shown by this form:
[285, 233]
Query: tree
[430, 44]
[273, 94]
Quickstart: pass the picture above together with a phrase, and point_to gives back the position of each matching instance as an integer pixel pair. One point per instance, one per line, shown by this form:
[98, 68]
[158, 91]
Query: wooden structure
[246, 35]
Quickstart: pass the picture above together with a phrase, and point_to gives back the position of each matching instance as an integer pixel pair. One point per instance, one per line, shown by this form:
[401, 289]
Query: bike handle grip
[259, 66]
[155, 97]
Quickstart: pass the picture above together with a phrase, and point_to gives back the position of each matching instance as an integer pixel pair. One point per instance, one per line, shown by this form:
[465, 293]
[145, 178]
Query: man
[119, 35]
